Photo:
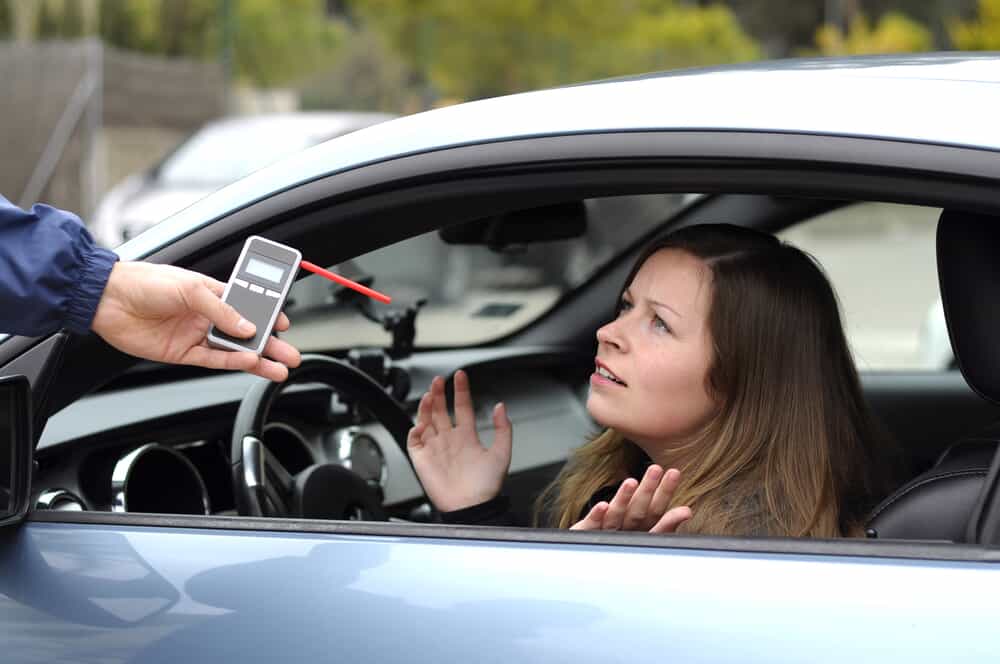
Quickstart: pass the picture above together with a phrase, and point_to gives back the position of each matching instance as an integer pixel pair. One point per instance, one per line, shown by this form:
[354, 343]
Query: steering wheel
[263, 487]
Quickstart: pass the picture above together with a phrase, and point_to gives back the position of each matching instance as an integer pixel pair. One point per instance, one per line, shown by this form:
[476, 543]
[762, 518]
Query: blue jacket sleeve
[52, 274]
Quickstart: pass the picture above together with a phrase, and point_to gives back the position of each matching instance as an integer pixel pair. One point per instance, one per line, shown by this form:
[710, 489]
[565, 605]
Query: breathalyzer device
[257, 289]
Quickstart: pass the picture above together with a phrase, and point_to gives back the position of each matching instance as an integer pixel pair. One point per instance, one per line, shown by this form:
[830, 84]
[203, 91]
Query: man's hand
[163, 313]
[454, 468]
[639, 505]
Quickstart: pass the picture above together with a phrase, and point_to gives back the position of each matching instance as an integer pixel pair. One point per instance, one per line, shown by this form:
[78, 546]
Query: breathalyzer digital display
[257, 289]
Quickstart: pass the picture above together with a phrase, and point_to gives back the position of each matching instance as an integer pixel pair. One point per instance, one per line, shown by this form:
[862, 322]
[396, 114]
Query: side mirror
[16, 448]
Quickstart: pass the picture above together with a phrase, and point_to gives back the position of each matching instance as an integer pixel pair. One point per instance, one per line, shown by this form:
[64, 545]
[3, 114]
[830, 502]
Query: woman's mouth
[603, 376]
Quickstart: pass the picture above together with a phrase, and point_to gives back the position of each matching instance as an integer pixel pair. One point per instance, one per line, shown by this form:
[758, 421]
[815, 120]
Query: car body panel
[150, 594]
[908, 97]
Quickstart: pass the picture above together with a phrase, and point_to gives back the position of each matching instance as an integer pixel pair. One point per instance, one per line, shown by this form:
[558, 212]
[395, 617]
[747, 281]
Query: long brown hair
[792, 449]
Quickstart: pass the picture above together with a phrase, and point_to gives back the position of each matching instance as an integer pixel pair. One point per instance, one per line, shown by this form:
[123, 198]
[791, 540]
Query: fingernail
[245, 326]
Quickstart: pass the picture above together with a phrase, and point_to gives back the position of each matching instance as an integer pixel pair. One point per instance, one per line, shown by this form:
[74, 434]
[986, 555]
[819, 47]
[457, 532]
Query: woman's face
[659, 348]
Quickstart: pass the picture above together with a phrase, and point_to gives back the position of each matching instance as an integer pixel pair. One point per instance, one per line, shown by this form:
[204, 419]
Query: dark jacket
[497, 512]
[52, 274]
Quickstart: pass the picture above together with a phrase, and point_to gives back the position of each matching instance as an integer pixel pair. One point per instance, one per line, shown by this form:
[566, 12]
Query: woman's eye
[659, 324]
[623, 306]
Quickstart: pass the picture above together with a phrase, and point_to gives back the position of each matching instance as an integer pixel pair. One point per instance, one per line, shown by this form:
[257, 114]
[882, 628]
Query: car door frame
[541, 170]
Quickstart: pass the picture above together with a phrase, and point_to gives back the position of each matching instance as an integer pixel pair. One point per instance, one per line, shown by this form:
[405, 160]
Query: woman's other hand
[454, 467]
[640, 505]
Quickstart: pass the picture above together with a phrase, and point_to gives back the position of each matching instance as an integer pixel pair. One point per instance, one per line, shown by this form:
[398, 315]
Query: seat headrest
[968, 257]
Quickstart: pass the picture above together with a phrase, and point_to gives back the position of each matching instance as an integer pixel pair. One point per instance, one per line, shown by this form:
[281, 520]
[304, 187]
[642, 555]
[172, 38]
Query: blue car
[157, 514]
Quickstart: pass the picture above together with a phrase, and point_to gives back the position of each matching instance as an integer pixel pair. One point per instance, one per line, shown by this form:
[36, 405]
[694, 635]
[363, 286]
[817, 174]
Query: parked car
[219, 153]
[140, 545]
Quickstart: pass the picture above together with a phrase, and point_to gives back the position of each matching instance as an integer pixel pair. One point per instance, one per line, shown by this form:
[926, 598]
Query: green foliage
[5, 20]
[281, 42]
[490, 47]
[894, 33]
[687, 36]
[782, 26]
[981, 34]
[162, 27]
[366, 75]
[272, 43]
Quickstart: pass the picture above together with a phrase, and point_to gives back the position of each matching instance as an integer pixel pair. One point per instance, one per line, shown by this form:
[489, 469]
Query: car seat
[946, 502]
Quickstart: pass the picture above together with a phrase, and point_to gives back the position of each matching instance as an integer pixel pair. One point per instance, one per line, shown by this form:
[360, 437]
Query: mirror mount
[400, 323]
[16, 448]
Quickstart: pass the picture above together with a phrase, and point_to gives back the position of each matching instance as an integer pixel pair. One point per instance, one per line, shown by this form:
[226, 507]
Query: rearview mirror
[563, 221]
[16, 443]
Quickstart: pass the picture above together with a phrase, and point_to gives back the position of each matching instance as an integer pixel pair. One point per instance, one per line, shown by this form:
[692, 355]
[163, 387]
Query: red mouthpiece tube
[364, 290]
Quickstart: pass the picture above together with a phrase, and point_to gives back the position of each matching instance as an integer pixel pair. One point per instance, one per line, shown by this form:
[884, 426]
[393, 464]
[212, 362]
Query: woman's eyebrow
[655, 303]
[665, 306]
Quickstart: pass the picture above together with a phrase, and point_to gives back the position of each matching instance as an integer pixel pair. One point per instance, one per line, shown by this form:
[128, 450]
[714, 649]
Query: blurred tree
[935, 14]
[980, 34]
[275, 42]
[278, 43]
[24, 19]
[685, 37]
[367, 75]
[782, 27]
[893, 33]
[479, 49]
[5, 23]
[786, 28]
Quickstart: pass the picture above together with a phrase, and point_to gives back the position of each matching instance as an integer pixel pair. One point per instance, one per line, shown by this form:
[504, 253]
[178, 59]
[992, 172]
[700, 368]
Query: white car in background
[219, 153]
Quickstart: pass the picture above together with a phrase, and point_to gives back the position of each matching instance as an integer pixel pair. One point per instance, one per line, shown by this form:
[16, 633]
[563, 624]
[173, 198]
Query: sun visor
[968, 257]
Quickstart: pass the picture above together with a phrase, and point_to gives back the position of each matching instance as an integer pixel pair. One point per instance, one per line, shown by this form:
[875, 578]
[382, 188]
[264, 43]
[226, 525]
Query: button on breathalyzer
[257, 289]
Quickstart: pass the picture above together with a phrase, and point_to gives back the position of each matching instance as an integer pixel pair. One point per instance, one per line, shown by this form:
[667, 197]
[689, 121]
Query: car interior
[514, 298]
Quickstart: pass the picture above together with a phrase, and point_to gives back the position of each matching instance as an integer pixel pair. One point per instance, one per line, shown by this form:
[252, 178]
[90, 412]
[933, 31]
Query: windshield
[474, 295]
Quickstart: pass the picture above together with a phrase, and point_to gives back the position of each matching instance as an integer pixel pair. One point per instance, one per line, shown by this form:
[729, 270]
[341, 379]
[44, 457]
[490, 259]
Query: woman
[726, 364]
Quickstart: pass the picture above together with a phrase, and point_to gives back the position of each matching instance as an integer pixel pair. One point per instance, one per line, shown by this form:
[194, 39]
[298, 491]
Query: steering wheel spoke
[269, 484]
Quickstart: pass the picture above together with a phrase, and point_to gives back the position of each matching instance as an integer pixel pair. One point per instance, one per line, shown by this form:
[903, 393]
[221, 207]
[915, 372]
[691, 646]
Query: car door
[92, 586]
[149, 590]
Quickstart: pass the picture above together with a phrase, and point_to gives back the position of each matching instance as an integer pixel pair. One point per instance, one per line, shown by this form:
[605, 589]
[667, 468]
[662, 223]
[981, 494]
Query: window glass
[881, 260]
[473, 294]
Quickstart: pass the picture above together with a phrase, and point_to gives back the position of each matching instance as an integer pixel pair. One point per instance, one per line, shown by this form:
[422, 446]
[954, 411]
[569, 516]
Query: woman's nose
[610, 334]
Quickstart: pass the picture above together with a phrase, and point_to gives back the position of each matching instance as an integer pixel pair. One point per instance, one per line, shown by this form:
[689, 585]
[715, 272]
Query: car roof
[938, 98]
[328, 123]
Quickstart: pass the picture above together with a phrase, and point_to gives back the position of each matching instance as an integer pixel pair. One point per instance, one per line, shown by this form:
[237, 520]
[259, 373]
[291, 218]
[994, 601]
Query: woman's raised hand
[640, 505]
[454, 468]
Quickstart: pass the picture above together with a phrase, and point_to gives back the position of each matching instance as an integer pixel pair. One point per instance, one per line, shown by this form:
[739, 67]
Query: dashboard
[165, 448]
